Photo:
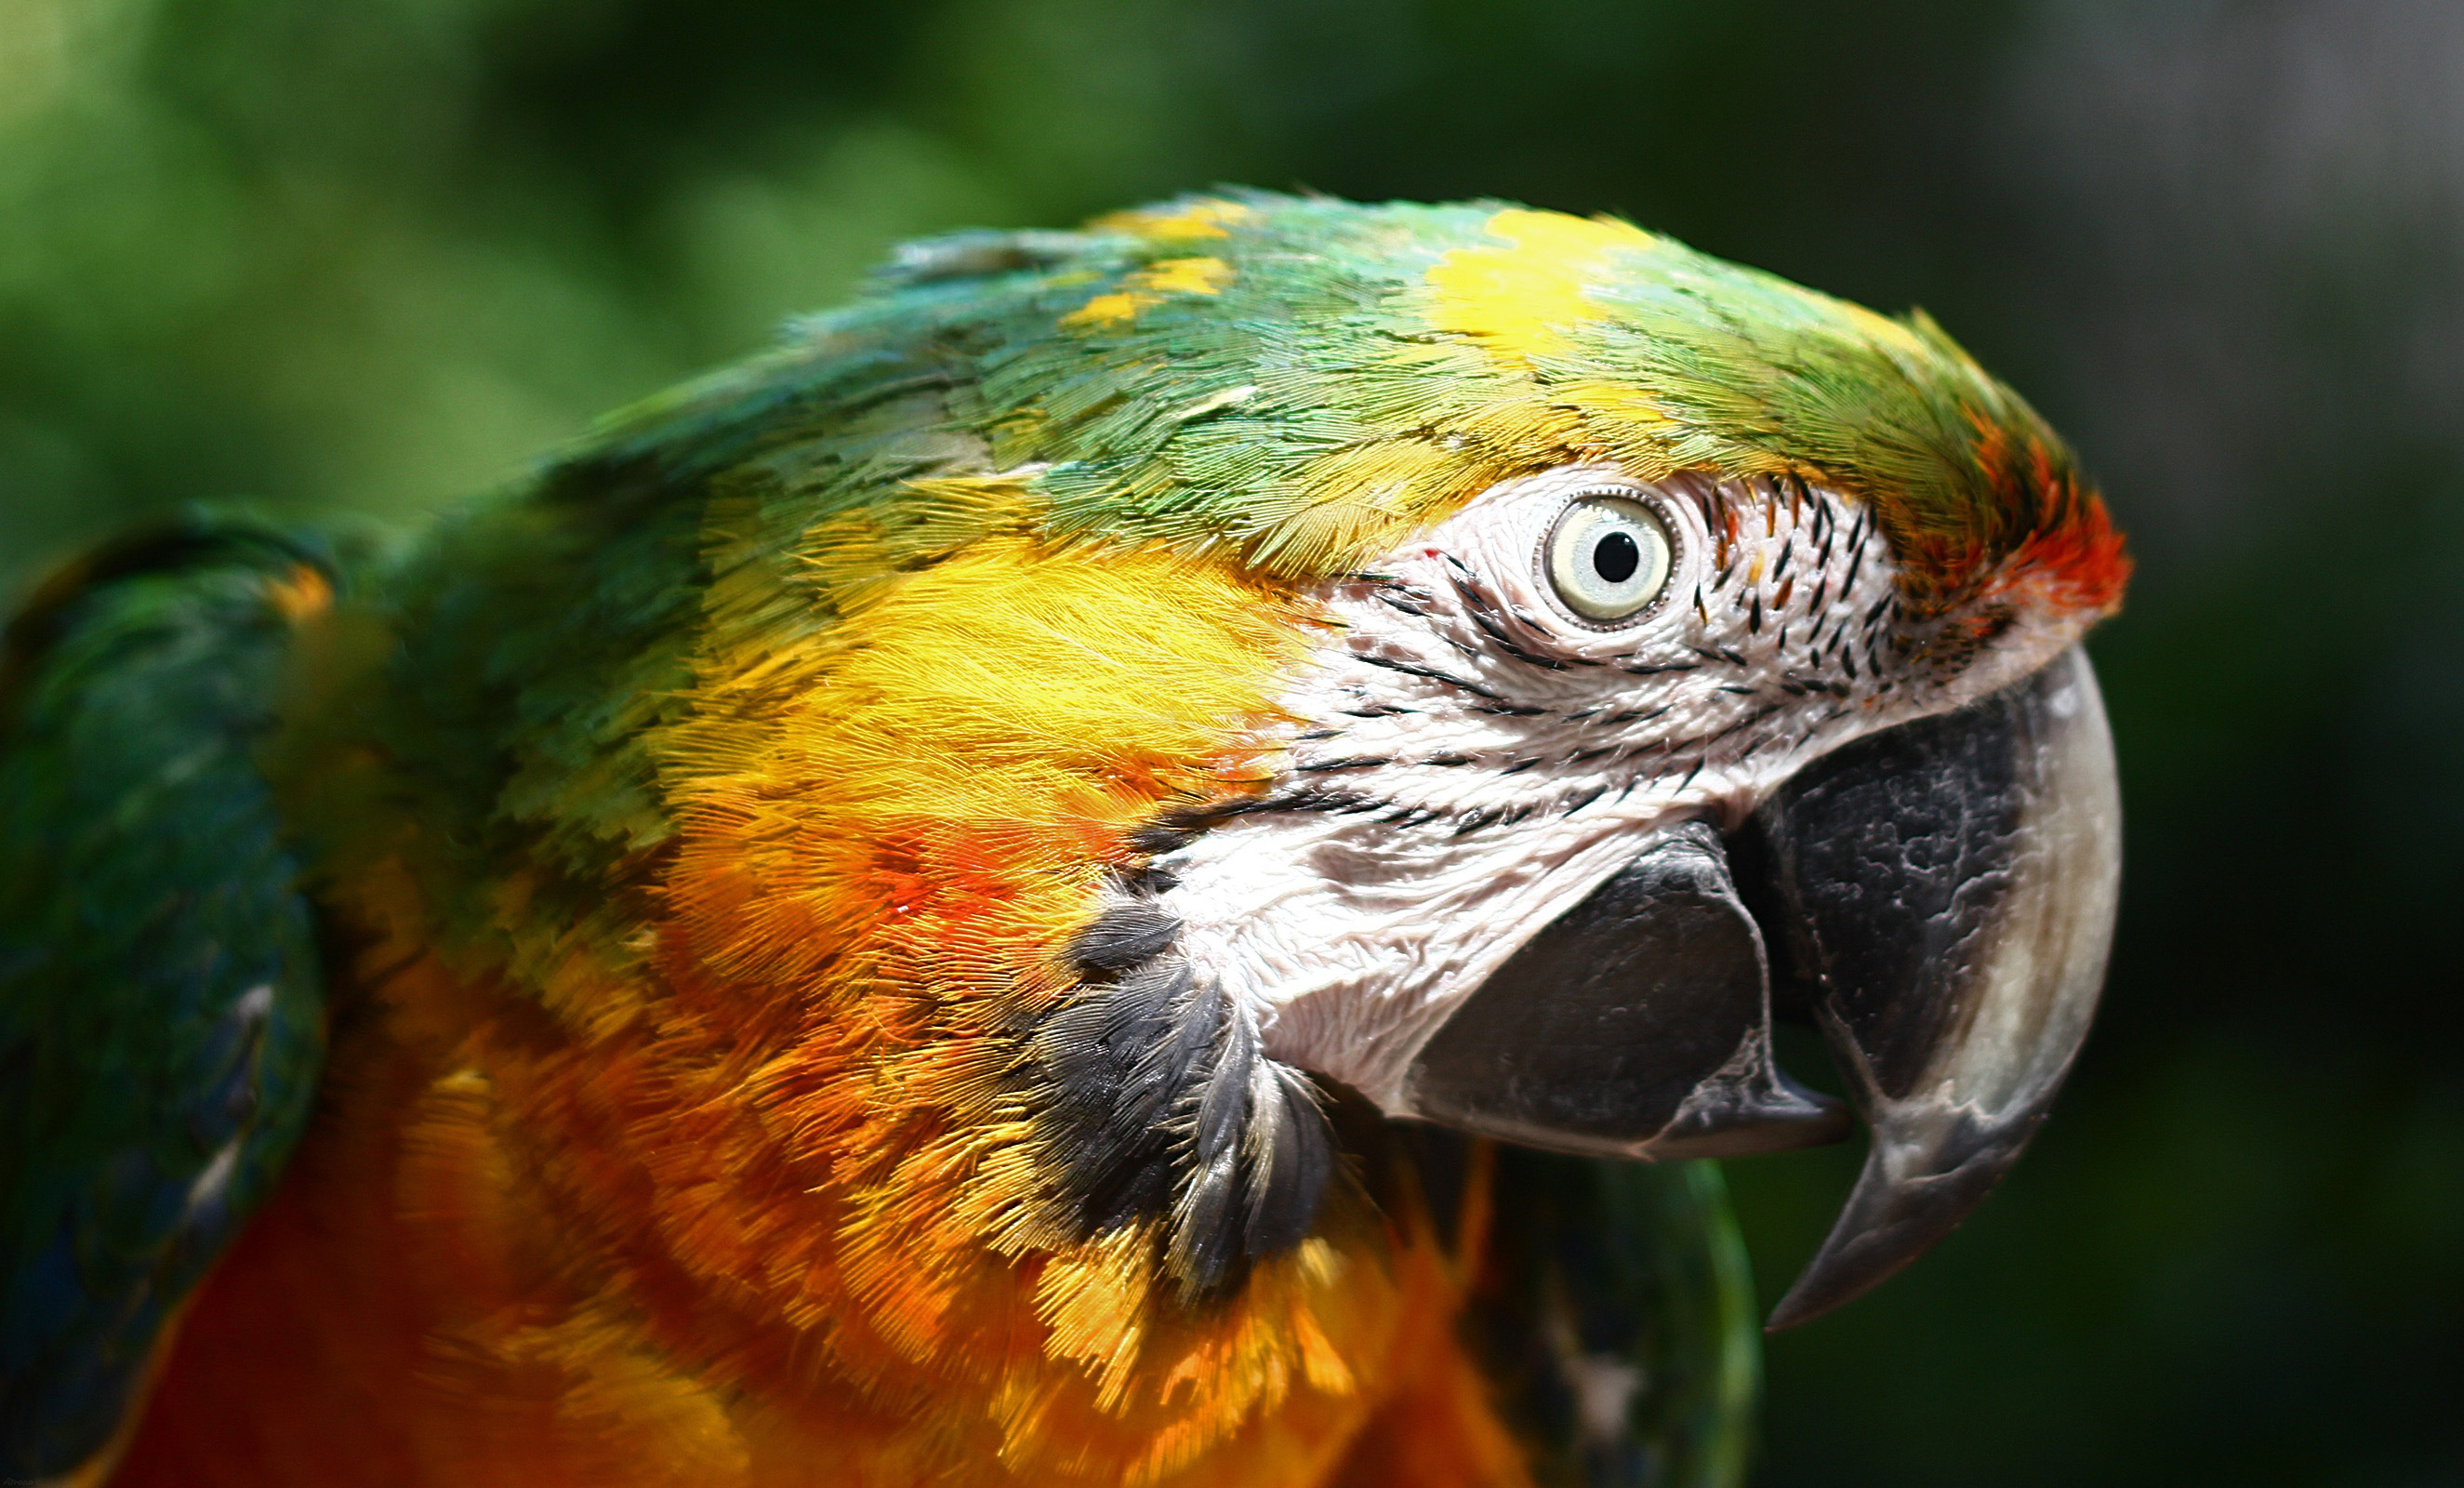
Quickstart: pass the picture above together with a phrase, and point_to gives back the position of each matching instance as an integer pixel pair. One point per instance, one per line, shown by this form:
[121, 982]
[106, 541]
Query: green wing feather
[1618, 1322]
[161, 1004]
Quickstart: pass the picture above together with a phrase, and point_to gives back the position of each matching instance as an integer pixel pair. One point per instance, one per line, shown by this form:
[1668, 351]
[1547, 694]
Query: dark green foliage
[161, 1008]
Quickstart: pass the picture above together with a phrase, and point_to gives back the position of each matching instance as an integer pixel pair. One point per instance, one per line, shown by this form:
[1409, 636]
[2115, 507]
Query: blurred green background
[374, 255]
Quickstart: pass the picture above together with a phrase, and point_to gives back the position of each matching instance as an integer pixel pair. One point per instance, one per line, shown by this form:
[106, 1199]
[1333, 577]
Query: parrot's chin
[1940, 896]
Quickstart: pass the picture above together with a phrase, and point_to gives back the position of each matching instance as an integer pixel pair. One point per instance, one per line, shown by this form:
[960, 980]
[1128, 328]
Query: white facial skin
[1472, 757]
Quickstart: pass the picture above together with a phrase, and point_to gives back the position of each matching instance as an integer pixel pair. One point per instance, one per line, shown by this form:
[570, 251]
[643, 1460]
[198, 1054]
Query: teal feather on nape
[1620, 1313]
[161, 1003]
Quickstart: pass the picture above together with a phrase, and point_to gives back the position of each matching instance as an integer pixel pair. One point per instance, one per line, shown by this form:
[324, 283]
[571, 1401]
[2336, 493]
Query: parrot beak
[1947, 892]
[1940, 895]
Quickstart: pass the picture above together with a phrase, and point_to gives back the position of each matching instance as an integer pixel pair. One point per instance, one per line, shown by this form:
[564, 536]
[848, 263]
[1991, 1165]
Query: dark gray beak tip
[1908, 1197]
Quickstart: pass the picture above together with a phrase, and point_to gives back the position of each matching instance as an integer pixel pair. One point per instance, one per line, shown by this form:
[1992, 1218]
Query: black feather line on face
[1159, 1103]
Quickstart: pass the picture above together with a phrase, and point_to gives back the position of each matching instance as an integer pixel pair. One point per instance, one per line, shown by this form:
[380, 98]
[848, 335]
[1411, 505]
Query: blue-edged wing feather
[161, 1008]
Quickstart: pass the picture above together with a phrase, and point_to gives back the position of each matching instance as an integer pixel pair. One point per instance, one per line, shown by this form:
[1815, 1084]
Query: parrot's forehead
[1311, 381]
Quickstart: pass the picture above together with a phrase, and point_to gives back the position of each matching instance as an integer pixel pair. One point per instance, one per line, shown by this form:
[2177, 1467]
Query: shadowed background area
[371, 257]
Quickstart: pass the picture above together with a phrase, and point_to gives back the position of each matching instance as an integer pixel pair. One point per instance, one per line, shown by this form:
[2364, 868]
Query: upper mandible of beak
[1945, 892]
[1942, 893]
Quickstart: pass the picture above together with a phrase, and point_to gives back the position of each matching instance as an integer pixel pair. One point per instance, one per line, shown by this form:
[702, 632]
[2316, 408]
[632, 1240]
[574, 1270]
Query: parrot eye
[1608, 557]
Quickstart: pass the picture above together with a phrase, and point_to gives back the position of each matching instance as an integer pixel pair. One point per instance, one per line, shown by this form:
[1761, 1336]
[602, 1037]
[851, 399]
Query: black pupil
[1615, 557]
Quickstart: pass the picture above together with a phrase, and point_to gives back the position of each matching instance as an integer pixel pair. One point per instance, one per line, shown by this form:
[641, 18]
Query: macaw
[1146, 857]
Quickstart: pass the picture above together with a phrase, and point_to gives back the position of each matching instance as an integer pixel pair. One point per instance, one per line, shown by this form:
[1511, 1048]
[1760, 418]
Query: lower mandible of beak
[1941, 895]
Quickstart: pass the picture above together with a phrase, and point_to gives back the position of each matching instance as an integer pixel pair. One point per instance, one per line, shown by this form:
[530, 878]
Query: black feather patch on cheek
[1123, 937]
[1159, 1103]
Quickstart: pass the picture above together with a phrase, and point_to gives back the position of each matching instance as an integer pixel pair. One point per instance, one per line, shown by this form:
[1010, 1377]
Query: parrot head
[1473, 664]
